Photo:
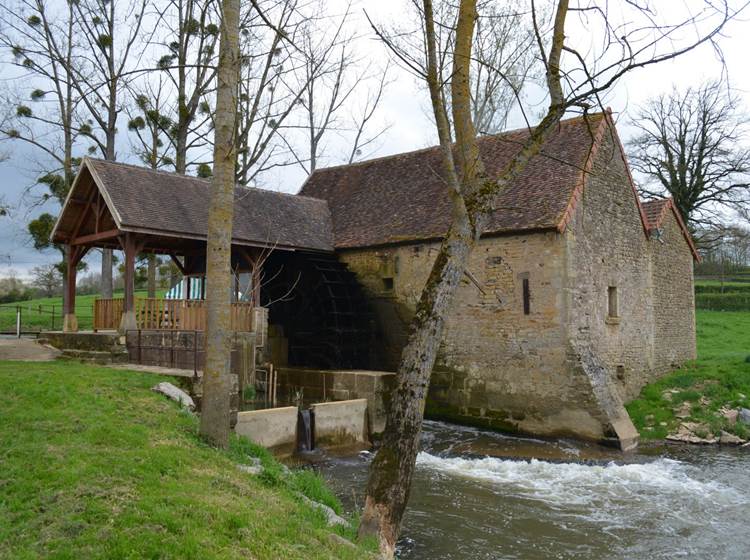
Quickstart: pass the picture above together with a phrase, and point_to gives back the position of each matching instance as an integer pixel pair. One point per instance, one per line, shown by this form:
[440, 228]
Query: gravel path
[26, 349]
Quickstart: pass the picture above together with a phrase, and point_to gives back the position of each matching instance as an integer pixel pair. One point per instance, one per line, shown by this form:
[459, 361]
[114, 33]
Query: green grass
[735, 283]
[95, 465]
[37, 314]
[720, 376]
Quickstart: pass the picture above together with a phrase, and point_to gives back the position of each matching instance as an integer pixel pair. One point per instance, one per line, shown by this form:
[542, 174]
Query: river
[482, 495]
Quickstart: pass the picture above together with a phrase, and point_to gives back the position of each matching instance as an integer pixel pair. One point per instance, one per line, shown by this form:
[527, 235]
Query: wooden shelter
[119, 206]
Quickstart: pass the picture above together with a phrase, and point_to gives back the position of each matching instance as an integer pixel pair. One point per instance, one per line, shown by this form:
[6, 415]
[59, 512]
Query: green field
[720, 376]
[47, 313]
[95, 465]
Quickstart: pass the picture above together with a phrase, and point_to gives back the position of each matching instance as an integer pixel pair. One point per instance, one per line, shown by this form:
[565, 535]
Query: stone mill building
[576, 296]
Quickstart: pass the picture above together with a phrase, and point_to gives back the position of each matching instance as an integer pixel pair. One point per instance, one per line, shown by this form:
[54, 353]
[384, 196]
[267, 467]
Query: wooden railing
[107, 314]
[174, 314]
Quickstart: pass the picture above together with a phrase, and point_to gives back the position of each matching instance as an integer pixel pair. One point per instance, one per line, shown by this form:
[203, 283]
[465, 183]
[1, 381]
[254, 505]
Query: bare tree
[148, 124]
[109, 31]
[47, 279]
[214, 425]
[148, 121]
[632, 40]
[504, 60]
[693, 146]
[265, 101]
[333, 77]
[41, 41]
[190, 66]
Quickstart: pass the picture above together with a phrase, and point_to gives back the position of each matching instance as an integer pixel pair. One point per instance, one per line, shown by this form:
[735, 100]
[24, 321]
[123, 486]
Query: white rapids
[608, 493]
[479, 495]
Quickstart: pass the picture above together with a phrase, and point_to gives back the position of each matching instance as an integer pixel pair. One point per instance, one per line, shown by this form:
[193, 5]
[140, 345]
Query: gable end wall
[673, 298]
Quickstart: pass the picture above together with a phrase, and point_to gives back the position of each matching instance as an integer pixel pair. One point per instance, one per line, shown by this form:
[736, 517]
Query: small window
[526, 297]
[612, 304]
[387, 284]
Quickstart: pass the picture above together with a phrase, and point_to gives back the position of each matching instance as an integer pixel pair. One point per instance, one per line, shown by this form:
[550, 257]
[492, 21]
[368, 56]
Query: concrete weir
[340, 424]
[335, 425]
[273, 428]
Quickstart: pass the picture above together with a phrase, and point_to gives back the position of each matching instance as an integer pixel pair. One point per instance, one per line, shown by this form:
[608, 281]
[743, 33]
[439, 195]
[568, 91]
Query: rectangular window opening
[612, 304]
[526, 297]
[388, 284]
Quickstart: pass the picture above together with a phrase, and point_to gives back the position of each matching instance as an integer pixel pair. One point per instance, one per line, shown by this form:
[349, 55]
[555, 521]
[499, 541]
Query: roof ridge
[571, 120]
[193, 177]
[144, 168]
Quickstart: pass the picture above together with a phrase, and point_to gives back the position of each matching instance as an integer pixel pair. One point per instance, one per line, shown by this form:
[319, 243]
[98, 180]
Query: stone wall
[497, 367]
[609, 250]
[673, 298]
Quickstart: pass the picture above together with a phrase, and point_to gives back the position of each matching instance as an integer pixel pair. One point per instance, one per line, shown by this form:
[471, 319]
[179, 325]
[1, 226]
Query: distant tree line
[724, 252]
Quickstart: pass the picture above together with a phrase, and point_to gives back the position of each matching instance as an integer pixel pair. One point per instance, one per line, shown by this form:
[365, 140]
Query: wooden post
[128, 321]
[74, 255]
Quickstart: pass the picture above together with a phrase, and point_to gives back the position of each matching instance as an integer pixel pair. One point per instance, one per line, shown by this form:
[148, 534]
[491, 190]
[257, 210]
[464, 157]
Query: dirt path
[25, 349]
[175, 372]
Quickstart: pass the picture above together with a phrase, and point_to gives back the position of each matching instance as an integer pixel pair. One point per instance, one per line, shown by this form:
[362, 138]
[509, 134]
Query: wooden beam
[76, 253]
[177, 263]
[82, 215]
[92, 237]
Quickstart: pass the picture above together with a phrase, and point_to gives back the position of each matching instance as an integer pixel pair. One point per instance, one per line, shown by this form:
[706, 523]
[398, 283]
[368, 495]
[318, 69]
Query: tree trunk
[393, 467]
[472, 195]
[151, 275]
[215, 416]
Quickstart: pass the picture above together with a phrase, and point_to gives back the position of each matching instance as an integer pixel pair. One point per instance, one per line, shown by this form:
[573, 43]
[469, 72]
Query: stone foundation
[340, 385]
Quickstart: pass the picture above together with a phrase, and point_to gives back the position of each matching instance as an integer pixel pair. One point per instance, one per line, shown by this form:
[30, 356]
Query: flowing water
[481, 495]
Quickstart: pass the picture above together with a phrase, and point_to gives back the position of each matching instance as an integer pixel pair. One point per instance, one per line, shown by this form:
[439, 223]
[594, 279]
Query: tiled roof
[174, 205]
[403, 197]
[655, 210]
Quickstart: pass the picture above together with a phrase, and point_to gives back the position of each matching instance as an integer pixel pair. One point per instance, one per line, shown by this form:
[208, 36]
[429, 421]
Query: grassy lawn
[37, 314]
[719, 377]
[95, 465]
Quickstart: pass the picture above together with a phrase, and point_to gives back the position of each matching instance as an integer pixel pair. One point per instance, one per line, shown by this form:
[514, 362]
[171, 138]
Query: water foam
[576, 484]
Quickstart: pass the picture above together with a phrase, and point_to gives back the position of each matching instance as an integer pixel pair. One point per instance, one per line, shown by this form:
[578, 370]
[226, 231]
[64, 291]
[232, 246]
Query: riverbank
[95, 465]
[702, 399]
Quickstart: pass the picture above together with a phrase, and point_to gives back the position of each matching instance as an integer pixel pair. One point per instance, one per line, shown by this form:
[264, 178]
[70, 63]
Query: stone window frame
[613, 305]
[525, 293]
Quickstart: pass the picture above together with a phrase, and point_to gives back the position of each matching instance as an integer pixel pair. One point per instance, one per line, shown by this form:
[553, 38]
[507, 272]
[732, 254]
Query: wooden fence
[172, 314]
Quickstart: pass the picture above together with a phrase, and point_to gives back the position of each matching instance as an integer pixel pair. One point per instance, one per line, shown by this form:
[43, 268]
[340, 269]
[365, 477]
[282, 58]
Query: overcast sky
[404, 108]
